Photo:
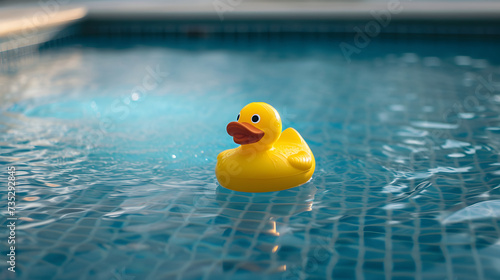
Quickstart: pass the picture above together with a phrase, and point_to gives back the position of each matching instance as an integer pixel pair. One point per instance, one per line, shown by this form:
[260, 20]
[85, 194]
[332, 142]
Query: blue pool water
[115, 166]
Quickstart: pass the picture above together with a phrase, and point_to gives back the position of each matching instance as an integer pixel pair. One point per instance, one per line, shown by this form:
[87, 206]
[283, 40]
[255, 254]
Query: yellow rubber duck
[267, 160]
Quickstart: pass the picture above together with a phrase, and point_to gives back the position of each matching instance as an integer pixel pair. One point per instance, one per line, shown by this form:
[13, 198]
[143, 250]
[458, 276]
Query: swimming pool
[115, 141]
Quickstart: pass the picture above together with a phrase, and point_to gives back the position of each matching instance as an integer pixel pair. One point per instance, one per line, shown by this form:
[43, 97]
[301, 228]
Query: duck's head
[258, 125]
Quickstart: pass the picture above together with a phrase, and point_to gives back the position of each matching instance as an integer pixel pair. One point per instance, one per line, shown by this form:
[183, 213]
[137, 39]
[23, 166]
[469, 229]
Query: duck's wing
[301, 159]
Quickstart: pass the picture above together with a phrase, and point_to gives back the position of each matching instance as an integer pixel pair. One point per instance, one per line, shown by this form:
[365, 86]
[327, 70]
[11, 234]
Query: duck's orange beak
[244, 133]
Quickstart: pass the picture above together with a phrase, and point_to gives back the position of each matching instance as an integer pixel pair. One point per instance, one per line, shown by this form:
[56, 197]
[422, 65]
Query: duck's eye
[255, 118]
[238, 117]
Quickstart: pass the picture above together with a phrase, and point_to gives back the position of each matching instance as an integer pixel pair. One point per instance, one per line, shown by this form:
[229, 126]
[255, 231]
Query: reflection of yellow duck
[267, 159]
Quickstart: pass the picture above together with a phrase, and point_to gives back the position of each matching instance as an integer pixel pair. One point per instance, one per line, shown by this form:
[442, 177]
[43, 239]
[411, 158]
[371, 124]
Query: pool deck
[31, 25]
[400, 10]
[13, 17]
